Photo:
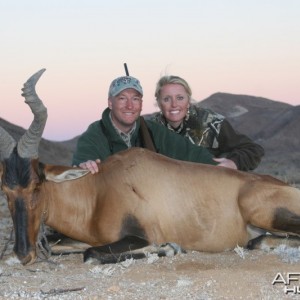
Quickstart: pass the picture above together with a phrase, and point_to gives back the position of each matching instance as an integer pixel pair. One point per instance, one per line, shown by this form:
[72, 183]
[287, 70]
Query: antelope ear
[70, 174]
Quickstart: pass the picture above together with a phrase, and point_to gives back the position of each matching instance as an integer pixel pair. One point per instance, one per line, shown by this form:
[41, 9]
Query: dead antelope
[138, 198]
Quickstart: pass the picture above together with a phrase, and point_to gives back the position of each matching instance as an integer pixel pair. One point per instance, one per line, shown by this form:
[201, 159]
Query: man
[122, 127]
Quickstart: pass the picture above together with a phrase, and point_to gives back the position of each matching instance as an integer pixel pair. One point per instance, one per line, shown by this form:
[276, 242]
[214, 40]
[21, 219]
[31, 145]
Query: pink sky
[246, 47]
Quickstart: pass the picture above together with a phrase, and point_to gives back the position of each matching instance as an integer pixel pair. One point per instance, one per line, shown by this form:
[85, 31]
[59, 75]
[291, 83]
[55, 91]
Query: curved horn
[7, 144]
[29, 142]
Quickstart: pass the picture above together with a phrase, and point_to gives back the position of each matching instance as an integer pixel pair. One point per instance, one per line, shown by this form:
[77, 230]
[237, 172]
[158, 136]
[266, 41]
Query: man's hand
[91, 165]
[225, 162]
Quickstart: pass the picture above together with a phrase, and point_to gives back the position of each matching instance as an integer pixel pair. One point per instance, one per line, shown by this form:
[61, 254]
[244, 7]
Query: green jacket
[102, 140]
[208, 129]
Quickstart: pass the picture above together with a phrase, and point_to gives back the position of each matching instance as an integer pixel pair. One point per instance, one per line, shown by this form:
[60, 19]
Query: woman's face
[174, 103]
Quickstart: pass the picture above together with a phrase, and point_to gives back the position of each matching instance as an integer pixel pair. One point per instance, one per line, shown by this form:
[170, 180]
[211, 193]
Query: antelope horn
[29, 142]
[7, 144]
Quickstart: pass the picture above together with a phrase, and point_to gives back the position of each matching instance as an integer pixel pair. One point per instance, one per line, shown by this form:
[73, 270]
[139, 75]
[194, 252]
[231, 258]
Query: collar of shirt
[126, 137]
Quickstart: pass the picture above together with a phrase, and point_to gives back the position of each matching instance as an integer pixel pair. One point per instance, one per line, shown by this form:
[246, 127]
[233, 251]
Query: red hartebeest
[138, 198]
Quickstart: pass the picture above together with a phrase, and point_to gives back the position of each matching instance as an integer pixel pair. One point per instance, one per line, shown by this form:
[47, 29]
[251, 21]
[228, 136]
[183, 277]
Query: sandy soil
[228, 275]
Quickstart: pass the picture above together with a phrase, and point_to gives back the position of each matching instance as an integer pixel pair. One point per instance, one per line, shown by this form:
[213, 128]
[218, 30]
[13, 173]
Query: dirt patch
[193, 275]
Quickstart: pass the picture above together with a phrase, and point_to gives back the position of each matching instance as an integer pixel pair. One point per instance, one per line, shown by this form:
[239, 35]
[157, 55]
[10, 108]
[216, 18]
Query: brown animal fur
[199, 207]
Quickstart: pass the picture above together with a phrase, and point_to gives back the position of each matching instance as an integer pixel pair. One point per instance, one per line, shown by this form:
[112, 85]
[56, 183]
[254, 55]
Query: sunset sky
[233, 46]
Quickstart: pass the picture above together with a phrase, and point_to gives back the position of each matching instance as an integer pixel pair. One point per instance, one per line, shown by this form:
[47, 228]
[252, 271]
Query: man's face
[125, 108]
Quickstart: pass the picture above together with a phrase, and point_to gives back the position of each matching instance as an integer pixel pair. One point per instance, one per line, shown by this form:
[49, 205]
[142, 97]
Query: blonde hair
[171, 79]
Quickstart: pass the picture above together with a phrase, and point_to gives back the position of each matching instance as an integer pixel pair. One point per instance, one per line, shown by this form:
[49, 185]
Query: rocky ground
[236, 274]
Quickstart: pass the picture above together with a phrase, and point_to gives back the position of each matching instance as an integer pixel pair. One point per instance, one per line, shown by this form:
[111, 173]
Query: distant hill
[274, 125]
[58, 153]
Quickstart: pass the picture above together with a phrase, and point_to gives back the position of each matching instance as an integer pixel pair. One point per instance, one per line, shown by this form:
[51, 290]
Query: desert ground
[235, 274]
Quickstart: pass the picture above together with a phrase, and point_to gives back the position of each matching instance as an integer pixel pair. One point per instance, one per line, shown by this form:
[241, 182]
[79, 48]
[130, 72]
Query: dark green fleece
[94, 143]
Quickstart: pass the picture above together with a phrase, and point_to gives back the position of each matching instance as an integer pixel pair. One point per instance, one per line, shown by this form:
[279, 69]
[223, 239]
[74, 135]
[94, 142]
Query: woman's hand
[225, 162]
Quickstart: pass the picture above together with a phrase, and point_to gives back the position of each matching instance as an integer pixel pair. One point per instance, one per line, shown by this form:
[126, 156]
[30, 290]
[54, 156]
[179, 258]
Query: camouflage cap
[122, 83]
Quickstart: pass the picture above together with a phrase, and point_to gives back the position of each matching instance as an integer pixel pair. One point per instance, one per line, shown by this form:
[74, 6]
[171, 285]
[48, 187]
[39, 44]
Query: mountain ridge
[274, 125]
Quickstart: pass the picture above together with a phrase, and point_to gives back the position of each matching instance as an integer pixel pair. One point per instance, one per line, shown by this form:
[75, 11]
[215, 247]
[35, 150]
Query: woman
[203, 127]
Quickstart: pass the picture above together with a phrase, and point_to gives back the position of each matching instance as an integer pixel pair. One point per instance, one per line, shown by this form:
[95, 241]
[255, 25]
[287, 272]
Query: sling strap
[147, 139]
[144, 134]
